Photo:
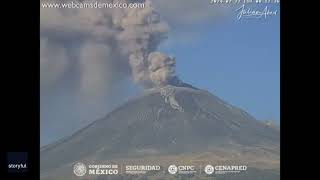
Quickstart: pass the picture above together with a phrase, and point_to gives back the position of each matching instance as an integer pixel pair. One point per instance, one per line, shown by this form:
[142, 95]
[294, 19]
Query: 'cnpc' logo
[172, 169]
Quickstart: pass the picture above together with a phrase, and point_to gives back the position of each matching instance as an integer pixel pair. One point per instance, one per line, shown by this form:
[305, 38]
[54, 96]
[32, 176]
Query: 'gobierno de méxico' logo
[79, 169]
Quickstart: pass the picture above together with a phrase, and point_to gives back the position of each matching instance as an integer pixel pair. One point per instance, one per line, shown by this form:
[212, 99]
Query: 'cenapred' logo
[209, 169]
[172, 169]
[79, 169]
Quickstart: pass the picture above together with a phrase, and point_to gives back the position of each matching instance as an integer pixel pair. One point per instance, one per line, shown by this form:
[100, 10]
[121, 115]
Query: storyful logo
[17, 162]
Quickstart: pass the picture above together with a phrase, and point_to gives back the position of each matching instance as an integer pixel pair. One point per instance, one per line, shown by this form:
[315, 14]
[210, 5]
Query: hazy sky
[237, 60]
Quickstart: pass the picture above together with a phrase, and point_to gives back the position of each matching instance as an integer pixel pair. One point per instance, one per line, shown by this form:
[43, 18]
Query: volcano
[168, 124]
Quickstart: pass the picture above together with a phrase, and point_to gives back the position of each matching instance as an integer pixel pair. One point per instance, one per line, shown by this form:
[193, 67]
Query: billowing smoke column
[92, 59]
[161, 68]
[104, 46]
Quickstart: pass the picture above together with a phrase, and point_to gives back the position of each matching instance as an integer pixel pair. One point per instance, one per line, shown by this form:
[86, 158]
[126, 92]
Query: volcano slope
[170, 125]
